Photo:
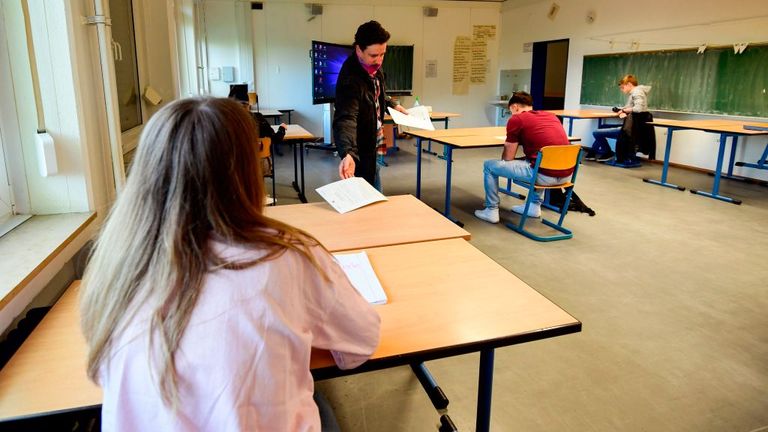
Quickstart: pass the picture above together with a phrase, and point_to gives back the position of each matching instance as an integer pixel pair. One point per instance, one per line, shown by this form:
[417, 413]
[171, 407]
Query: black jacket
[354, 121]
[265, 129]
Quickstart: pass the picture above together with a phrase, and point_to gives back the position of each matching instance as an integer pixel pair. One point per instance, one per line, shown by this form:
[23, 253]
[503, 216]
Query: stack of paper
[358, 268]
[349, 194]
[417, 117]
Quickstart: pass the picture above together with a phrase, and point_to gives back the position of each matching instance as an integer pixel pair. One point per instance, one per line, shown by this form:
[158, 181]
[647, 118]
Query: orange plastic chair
[560, 157]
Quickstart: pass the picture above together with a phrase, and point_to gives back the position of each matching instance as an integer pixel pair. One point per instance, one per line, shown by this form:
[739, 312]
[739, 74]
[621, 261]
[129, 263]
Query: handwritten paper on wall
[481, 34]
[462, 56]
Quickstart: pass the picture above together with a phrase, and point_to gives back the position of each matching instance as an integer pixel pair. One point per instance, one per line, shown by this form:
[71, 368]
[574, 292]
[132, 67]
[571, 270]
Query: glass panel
[5, 189]
[126, 66]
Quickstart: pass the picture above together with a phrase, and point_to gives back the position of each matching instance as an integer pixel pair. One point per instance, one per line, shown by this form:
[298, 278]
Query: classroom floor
[670, 287]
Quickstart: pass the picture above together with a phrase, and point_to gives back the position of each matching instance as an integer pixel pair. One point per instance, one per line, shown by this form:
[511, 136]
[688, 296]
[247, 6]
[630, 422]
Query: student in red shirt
[533, 130]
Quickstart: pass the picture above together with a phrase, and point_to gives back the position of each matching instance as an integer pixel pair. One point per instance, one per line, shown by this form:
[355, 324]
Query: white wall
[656, 25]
[283, 31]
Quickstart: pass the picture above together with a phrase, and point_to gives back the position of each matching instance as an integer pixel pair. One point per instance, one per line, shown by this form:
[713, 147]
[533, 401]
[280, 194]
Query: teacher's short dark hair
[370, 33]
[521, 98]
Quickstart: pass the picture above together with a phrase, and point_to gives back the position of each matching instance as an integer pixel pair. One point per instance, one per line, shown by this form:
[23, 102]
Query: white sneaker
[488, 214]
[534, 210]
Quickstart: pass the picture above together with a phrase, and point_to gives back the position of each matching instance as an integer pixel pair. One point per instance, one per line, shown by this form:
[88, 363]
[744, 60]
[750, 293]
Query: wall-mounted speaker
[315, 9]
[430, 12]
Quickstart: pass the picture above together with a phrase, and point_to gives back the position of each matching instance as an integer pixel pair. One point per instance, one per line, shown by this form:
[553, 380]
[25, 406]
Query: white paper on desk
[350, 194]
[417, 117]
[358, 269]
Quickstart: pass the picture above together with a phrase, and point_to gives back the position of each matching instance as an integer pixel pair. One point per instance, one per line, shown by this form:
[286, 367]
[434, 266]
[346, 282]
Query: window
[13, 187]
[126, 64]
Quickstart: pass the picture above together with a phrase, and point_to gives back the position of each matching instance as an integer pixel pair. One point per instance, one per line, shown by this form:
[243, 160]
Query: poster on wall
[479, 67]
[487, 31]
[462, 57]
[430, 69]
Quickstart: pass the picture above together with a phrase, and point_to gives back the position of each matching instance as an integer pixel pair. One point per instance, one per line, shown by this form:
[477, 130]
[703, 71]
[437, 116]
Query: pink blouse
[243, 362]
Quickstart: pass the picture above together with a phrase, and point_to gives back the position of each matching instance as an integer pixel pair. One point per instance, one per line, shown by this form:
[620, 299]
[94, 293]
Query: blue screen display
[327, 59]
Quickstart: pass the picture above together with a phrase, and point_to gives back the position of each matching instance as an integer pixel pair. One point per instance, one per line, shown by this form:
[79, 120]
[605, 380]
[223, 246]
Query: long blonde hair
[196, 175]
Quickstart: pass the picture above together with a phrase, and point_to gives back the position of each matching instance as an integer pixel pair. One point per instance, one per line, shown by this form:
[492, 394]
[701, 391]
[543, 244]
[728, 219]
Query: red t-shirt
[534, 130]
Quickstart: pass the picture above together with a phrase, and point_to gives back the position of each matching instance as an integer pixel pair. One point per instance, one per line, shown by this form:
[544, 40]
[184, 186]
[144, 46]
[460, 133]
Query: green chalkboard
[717, 81]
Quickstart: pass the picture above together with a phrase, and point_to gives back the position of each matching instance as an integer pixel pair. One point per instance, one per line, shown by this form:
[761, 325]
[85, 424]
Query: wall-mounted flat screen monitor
[327, 59]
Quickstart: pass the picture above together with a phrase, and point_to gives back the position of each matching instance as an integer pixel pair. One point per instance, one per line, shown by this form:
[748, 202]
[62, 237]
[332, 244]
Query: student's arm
[514, 127]
[509, 152]
[350, 326]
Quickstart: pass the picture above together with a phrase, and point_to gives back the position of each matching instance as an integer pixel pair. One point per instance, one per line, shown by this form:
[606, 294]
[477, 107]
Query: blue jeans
[601, 146]
[495, 168]
[377, 179]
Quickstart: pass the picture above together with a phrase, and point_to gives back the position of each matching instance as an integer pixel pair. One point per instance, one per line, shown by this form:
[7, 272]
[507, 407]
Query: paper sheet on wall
[462, 57]
[358, 269]
[417, 117]
[350, 194]
[479, 66]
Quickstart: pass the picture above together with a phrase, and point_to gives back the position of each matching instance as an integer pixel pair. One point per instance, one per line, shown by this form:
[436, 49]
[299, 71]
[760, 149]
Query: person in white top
[200, 313]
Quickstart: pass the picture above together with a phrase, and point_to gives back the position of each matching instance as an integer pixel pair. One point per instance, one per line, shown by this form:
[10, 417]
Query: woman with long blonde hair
[199, 311]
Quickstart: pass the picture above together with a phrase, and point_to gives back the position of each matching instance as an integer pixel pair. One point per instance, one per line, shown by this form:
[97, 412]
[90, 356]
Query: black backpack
[557, 198]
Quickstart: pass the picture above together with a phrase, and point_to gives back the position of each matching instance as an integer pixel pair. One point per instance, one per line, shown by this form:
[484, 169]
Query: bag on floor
[557, 198]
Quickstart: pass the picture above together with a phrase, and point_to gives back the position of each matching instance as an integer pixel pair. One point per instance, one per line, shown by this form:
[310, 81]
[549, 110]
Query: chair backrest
[265, 147]
[559, 157]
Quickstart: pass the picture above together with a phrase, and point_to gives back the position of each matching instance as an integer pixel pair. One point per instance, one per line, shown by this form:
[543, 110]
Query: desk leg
[448, 171]
[429, 149]
[299, 188]
[485, 391]
[302, 196]
[435, 393]
[665, 170]
[418, 167]
[570, 126]
[718, 173]
[761, 163]
[732, 161]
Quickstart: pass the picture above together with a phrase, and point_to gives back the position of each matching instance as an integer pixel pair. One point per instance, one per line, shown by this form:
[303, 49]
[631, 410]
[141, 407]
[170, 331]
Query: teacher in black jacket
[361, 101]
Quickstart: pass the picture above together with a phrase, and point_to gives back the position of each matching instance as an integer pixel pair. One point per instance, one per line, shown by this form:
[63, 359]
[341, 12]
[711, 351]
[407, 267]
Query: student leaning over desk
[199, 311]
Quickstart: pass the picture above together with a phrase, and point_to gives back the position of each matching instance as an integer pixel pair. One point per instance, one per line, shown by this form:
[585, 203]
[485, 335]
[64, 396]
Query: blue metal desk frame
[718, 173]
[448, 153]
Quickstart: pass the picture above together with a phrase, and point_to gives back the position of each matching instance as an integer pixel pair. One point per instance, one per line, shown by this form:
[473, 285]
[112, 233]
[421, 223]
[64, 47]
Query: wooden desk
[416, 222]
[421, 322]
[275, 115]
[468, 138]
[443, 318]
[47, 374]
[726, 128]
[573, 115]
[434, 116]
[297, 136]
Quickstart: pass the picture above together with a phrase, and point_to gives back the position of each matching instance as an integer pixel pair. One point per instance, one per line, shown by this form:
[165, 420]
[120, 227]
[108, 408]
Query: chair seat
[523, 182]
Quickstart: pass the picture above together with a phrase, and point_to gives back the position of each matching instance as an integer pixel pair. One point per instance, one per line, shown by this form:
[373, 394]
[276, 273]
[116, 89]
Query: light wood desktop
[726, 128]
[430, 314]
[47, 374]
[434, 116]
[363, 228]
[297, 136]
[577, 114]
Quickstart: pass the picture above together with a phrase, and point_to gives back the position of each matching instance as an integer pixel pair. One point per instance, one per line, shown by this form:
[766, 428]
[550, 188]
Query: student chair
[267, 163]
[560, 157]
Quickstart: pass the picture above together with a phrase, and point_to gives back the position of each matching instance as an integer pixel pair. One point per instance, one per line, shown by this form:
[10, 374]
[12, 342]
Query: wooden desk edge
[332, 371]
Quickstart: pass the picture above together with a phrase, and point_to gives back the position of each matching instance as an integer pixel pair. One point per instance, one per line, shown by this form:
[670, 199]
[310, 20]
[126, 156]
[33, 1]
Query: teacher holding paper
[361, 101]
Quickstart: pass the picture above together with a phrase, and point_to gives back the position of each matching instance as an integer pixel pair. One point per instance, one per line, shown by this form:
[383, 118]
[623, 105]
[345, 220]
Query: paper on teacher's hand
[360, 273]
[349, 194]
[417, 117]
